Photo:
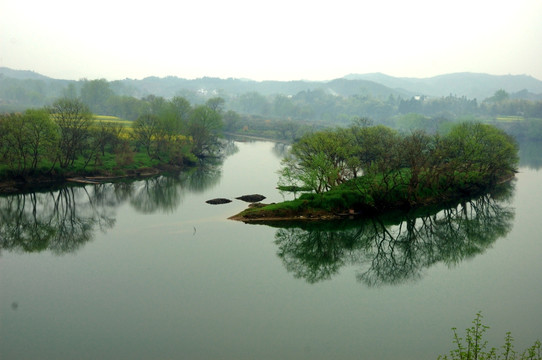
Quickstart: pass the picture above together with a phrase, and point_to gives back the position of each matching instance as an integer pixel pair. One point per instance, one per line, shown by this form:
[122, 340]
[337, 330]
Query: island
[367, 170]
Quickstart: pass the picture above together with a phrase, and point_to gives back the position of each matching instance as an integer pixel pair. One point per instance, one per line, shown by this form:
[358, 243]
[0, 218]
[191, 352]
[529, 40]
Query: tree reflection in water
[60, 221]
[64, 219]
[396, 249]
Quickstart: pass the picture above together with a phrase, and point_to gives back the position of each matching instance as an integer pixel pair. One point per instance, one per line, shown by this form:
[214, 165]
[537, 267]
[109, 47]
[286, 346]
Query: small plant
[474, 347]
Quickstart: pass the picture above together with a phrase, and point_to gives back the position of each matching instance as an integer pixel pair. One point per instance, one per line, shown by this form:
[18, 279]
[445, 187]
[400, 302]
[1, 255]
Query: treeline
[376, 166]
[117, 98]
[288, 117]
[451, 107]
[66, 138]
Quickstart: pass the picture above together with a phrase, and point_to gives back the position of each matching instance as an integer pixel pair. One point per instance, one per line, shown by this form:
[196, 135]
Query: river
[147, 270]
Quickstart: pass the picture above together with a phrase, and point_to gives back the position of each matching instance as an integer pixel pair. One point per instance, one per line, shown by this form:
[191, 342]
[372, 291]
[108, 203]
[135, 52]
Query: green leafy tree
[204, 128]
[216, 104]
[95, 94]
[15, 144]
[231, 120]
[73, 118]
[318, 161]
[417, 152]
[107, 136]
[163, 133]
[126, 107]
[181, 109]
[145, 130]
[499, 96]
[372, 145]
[482, 148]
[42, 135]
[27, 139]
[252, 103]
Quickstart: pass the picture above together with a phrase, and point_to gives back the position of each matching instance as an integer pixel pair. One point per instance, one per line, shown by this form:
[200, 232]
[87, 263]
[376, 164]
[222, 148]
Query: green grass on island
[365, 196]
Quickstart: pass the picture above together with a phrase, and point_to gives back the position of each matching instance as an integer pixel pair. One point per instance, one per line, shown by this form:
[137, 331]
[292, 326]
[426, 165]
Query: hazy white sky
[270, 40]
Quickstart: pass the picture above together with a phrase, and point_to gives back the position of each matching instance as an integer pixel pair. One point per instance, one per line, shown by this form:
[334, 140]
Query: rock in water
[251, 198]
[218, 201]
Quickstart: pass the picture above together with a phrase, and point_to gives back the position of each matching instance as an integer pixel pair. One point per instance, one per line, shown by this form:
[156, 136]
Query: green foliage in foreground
[474, 346]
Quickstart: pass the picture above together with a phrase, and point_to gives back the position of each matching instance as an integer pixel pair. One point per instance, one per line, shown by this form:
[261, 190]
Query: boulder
[218, 201]
[251, 198]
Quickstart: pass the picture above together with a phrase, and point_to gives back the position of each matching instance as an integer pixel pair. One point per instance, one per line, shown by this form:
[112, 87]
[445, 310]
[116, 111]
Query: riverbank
[264, 213]
[32, 182]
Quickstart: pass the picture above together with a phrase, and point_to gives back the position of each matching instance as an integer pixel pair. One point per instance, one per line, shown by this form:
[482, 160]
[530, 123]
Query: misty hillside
[171, 86]
[20, 89]
[472, 85]
[22, 74]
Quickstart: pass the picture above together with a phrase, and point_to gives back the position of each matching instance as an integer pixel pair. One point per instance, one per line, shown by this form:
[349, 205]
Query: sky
[270, 40]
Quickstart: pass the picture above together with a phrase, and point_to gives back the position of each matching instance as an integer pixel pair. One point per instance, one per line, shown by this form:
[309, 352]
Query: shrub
[474, 347]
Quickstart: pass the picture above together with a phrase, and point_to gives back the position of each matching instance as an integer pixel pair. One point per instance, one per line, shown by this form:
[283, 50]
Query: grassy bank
[371, 196]
[109, 166]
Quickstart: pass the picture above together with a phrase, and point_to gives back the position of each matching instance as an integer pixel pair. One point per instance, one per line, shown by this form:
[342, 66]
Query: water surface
[148, 270]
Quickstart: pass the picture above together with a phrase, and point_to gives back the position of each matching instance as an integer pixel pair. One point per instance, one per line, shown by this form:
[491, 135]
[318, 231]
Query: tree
[215, 104]
[27, 139]
[173, 117]
[14, 141]
[204, 127]
[181, 108]
[318, 161]
[70, 91]
[287, 129]
[231, 119]
[371, 145]
[126, 107]
[416, 155]
[107, 136]
[252, 103]
[145, 131]
[283, 106]
[95, 94]
[482, 148]
[499, 96]
[42, 135]
[155, 104]
[163, 130]
[73, 119]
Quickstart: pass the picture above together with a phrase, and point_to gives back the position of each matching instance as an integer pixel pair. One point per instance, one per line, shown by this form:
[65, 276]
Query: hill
[20, 89]
[471, 85]
[171, 86]
[22, 74]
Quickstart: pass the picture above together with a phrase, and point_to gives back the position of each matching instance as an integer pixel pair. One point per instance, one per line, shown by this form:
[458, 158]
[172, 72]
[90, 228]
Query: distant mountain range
[471, 85]
[22, 74]
[171, 86]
